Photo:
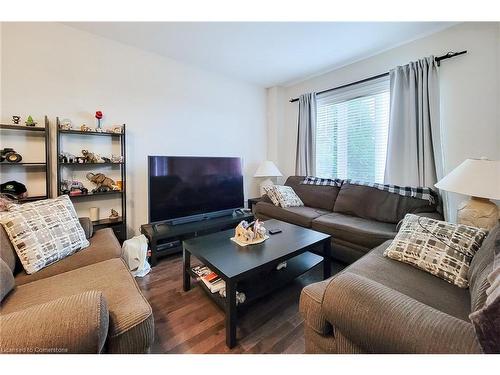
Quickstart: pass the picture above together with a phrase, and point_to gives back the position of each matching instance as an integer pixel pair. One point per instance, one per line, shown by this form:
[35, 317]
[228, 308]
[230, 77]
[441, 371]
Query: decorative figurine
[65, 124]
[10, 155]
[15, 119]
[247, 234]
[66, 157]
[100, 179]
[30, 121]
[101, 189]
[85, 128]
[117, 159]
[73, 187]
[92, 157]
[98, 116]
[117, 129]
[114, 215]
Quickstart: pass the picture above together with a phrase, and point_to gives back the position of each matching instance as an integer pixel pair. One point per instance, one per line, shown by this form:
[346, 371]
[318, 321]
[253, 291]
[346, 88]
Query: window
[351, 132]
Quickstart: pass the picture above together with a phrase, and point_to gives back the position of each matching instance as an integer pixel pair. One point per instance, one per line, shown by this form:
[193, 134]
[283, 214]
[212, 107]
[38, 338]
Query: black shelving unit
[31, 166]
[118, 225]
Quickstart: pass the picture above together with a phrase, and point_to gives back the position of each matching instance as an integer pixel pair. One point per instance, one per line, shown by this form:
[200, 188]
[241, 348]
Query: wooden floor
[190, 322]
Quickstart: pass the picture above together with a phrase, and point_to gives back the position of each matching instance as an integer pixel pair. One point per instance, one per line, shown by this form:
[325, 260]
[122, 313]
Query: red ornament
[98, 115]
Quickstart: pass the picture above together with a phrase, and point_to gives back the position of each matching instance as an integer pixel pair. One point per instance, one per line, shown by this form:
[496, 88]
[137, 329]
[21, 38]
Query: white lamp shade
[267, 169]
[475, 177]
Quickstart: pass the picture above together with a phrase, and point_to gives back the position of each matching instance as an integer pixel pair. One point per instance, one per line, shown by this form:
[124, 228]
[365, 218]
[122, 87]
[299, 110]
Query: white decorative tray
[241, 243]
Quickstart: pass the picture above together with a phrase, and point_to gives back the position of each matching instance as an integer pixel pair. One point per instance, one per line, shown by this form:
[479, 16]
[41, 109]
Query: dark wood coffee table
[246, 265]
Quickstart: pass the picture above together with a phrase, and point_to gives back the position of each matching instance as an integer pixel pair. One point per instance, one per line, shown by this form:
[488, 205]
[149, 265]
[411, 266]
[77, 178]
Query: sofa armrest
[73, 324]
[88, 227]
[382, 320]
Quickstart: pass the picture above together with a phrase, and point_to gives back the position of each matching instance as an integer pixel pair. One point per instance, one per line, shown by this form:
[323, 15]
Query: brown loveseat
[359, 218]
[86, 303]
[379, 305]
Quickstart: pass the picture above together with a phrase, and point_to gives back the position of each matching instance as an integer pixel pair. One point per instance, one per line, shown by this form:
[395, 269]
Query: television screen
[186, 186]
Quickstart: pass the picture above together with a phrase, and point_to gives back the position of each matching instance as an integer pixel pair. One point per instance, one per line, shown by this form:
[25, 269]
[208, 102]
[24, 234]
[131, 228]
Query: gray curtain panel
[414, 152]
[305, 161]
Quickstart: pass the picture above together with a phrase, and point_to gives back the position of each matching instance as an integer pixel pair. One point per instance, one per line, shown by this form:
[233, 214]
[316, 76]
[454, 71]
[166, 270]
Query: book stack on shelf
[209, 278]
[214, 282]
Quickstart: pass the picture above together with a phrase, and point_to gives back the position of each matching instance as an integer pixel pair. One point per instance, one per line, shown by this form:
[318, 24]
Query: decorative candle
[94, 213]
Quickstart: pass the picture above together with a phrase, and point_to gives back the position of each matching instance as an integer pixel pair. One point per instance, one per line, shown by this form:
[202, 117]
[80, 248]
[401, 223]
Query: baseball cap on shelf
[13, 188]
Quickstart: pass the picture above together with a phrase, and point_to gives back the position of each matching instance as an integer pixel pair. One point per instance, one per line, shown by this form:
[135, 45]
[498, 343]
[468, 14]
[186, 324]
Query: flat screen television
[183, 189]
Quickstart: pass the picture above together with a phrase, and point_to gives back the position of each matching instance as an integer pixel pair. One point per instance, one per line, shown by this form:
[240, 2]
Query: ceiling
[265, 53]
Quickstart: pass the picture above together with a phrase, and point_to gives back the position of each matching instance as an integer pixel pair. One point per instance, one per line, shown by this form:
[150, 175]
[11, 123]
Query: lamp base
[478, 212]
[266, 183]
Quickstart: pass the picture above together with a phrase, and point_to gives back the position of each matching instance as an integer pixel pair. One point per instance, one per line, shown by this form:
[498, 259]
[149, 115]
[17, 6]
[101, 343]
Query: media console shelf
[165, 239]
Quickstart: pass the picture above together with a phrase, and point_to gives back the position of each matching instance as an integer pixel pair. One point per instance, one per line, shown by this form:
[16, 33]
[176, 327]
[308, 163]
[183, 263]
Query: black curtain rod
[438, 59]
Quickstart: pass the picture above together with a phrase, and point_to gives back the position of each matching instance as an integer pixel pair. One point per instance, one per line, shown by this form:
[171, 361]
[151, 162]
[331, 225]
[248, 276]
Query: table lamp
[480, 179]
[267, 169]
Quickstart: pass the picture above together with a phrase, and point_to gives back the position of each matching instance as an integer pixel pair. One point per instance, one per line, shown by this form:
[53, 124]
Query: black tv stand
[166, 239]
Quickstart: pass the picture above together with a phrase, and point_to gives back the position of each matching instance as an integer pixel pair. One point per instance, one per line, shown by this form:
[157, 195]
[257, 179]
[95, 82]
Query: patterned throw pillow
[287, 197]
[443, 249]
[44, 232]
[283, 196]
[271, 193]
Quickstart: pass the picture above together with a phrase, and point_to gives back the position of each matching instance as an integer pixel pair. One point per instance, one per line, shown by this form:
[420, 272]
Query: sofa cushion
[44, 232]
[412, 282]
[367, 233]
[6, 280]
[487, 319]
[7, 252]
[131, 326]
[316, 196]
[374, 204]
[380, 319]
[481, 266]
[443, 249]
[75, 324]
[302, 216]
[103, 246]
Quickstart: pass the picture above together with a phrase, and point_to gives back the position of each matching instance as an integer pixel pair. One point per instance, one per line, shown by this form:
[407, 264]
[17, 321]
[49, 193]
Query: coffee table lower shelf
[275, 279]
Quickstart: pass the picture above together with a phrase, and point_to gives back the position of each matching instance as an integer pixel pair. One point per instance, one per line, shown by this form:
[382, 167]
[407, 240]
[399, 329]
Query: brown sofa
[379, 305]
[86, 303]
[359, 218]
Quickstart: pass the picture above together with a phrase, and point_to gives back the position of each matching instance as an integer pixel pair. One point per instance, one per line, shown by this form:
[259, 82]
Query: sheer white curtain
[305, 161]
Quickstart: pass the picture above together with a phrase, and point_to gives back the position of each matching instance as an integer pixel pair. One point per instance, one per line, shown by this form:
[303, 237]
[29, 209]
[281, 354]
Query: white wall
[169, 108]
[470, 94]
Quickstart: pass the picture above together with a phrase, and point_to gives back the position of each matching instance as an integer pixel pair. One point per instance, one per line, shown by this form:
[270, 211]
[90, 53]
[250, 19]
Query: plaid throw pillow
[443, 249]
[310, 180]
[44, 232]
